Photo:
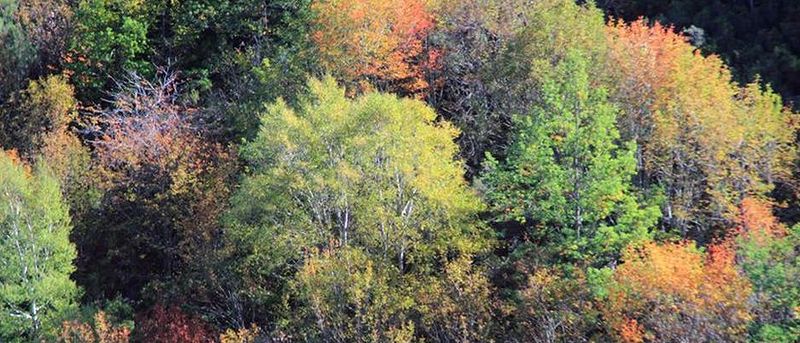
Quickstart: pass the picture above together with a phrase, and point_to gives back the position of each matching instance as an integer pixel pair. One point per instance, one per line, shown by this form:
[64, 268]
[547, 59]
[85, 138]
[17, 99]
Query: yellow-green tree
[36, 292]
[551, 30]
[44, 107]
[342, 191]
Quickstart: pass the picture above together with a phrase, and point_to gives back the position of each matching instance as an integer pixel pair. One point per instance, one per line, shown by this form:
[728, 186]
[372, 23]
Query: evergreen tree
[566, 178]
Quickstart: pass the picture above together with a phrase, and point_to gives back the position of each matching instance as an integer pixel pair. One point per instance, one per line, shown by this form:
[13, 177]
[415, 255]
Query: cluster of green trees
[376, 171]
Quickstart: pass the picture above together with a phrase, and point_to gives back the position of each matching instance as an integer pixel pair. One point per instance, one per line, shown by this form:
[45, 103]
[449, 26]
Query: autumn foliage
[152, 158]
[247, 171]
[172, 325]
[644, 57]
[377, 43]
[103, 331]
[675, 292]
[707, 141]
[756, 220]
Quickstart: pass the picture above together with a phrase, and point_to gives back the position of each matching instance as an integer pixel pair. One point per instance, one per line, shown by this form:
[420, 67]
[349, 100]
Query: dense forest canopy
[399, 171]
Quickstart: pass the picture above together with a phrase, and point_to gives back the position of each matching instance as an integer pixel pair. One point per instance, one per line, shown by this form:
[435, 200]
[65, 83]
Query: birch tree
[35, 254]
[370, 183]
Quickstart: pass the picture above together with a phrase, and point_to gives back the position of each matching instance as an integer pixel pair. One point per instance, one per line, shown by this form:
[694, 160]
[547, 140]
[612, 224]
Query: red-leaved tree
[171, 325]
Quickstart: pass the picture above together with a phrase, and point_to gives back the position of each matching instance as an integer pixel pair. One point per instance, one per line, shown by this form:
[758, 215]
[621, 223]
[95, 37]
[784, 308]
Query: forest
[259, 171]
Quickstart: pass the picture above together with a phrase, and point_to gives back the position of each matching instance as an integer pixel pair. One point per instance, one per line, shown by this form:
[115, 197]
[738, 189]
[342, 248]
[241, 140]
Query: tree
[110, 39]
[37, 122]
[16, 50]
[703, 139]
[351, 299]
[469, 38]
[198, 34]
[551, 30]
[274, 63]
[676, 292]
[356, 200]
[348, 296]
[71, 162]
[172, 325]
[377, 43]
[47, 25]
[565, 178]
[769, 257]
[234, 55]
[555, 305]
[163, 185]
[492, 57]
[100, 330]
[458, 305]
[753, 37]
[35, 287]
[244, 335]
[46, 106]
[639, 76]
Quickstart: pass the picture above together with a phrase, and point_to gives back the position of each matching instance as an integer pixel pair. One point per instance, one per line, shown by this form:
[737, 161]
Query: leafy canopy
[376, 172]
[368, 188]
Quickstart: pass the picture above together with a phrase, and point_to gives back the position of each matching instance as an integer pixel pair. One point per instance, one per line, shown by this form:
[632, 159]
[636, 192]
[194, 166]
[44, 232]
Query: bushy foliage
[771, 260]
[110, 39]
[675, 292]
[44, 109]
[753, 37]
[465, 86]
[152, 161]
[172, 325]
[99, 330]
[16, 50]
[48, 25]
[470, 171]
[493, 56]
[551, 30]
[555, 305]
